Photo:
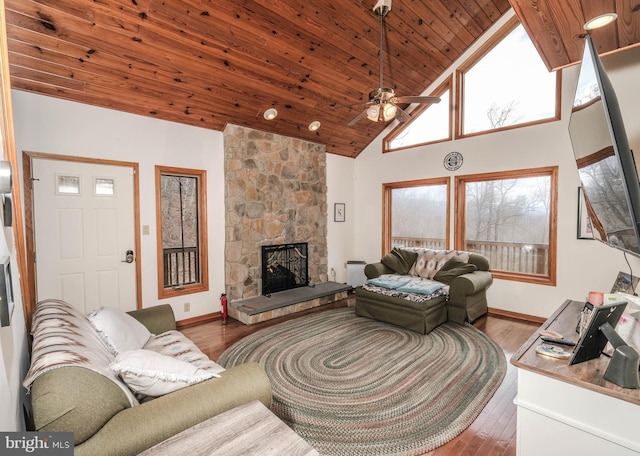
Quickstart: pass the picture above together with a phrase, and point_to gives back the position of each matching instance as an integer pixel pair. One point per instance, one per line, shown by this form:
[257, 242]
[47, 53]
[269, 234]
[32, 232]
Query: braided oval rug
[354, 386]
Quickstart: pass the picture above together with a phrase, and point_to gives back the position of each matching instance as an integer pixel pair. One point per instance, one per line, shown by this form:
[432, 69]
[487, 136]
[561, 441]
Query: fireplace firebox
[284, 266]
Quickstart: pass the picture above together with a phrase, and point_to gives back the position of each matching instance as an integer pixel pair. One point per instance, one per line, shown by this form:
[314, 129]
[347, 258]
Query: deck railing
[503, 256]
[180, 266]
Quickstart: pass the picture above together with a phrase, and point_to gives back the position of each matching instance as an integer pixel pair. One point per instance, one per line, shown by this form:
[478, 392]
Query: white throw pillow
[152, 374]
[119, 330]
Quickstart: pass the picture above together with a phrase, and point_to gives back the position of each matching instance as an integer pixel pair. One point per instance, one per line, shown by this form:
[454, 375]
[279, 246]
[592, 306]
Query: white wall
[340, 186]
[582, 265]
[49, 125]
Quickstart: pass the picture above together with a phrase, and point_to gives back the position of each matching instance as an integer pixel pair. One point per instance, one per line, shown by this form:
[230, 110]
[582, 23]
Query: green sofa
[462, 299]
[84, 399]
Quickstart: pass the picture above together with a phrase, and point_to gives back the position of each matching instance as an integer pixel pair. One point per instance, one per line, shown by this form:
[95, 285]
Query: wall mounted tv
[605, 160]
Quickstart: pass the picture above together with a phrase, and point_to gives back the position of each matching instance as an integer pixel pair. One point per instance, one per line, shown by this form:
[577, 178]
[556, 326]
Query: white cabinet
[571, 410]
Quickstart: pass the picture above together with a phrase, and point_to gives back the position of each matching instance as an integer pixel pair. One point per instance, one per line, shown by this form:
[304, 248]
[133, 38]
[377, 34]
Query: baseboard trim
[516, 315]
[493, 312]
[198, 320]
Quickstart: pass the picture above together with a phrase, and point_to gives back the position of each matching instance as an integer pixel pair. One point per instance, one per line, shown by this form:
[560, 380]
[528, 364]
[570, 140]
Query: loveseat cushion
[120, 331]
[452, 269]
[430, 261]
[399, 260]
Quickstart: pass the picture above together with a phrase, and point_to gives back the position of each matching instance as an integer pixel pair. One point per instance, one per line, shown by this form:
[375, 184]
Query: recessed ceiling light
[271, 113]
[315, 125]
[600, 21]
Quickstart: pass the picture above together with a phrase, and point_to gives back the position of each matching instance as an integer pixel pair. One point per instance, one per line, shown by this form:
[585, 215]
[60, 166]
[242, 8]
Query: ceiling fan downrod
[382, 8]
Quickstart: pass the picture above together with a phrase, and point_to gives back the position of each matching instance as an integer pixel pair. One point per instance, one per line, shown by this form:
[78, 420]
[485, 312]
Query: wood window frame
[460, 222]
[203, 256]
[475, 58]
[442, 88]
[387, 189]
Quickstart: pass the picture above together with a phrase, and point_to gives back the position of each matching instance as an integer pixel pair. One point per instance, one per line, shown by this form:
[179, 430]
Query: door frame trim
[27, 158]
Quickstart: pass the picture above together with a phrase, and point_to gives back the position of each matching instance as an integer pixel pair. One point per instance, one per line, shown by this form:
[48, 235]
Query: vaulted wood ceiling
[212, 62]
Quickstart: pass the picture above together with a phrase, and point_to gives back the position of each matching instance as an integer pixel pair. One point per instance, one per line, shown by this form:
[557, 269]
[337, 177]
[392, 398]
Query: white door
[84, 226]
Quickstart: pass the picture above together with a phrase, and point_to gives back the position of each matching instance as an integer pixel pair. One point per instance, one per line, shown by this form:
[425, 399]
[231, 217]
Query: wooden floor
[492, 433]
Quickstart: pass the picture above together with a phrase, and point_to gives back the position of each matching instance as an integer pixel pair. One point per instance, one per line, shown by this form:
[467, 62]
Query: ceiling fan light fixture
[315, 125]
[373, 112]
[600, 21]
[389, 111]
[270, 113]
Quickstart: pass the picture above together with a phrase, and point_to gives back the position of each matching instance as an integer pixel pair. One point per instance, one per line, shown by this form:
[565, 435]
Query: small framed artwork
[625, 283]
[338, 212]
[585, 229]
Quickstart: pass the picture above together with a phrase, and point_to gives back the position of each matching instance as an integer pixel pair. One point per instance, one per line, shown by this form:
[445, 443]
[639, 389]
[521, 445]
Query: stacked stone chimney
[275, 193]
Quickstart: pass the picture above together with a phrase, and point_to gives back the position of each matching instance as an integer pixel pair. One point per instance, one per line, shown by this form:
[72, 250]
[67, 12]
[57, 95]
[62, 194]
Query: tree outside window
[506, 85]
[510, 218]
[181, 223]
[417, 214]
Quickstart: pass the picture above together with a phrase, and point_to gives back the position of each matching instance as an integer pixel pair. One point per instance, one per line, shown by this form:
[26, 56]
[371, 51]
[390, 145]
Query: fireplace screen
[284, 267]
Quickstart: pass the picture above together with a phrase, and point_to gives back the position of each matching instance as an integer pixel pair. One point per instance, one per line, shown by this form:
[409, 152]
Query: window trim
[203, 285]
[442, 88]
[387, 209]
[475, 58]
[460, 205]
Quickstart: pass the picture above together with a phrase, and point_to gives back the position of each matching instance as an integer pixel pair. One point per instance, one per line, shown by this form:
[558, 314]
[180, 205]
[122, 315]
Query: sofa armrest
[157, 319]
[136, 429]
[469, 284]
[373, 270]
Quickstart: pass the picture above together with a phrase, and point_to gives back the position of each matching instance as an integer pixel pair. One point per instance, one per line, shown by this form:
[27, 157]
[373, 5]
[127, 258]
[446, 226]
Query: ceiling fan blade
[401, 115]
[357, 118]
[418, 99]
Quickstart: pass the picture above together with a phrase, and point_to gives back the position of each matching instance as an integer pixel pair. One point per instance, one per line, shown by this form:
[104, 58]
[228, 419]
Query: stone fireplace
[275, 193]
[284, 267]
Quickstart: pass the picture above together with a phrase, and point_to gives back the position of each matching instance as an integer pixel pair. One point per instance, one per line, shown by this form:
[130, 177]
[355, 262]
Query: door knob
[128, 257]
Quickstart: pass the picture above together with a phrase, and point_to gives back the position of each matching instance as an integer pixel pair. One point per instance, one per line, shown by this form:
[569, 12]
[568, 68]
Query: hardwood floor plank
[492, 433]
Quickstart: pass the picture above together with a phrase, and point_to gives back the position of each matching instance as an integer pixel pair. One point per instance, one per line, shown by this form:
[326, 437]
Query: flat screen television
[605, 160]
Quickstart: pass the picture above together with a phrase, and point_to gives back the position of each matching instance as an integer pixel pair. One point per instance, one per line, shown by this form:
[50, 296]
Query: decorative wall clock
[453, 161]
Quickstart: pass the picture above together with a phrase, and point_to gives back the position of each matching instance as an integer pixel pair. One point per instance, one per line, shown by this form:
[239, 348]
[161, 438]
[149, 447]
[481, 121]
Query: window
[181, 230]
[430, 123]
[416, 214]
[510, 217]
[506, 84]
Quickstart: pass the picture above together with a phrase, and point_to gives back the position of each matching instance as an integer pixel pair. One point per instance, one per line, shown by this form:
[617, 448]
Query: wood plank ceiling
[212, 62]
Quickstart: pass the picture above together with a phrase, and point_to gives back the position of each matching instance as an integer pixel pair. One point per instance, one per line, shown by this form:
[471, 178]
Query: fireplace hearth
[284, 267]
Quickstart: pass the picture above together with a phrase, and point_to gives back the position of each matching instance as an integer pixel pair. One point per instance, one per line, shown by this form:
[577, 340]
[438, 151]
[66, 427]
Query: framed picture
[338, 212]
[625, 283]
[585, 229]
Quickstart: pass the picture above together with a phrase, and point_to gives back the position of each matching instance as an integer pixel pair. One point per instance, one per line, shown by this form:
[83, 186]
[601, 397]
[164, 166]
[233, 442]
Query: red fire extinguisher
[223, 303]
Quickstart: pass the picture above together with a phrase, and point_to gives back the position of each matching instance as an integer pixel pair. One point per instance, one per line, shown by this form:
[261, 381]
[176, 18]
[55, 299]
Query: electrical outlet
[187, 306]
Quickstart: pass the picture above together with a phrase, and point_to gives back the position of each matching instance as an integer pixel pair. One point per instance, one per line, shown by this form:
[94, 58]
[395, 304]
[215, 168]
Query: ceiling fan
[383, 101]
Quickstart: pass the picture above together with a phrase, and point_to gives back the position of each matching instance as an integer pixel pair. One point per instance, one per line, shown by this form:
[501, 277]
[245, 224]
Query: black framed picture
[338, 212]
